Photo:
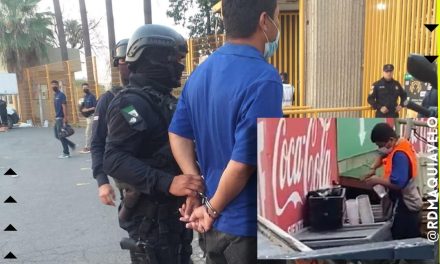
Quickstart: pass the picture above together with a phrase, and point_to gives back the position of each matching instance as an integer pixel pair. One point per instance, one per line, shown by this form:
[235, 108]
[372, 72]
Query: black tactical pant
[222, 248]
[390, 114]
[165, 237]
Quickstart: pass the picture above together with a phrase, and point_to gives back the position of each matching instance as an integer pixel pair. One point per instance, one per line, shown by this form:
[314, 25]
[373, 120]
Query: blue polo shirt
[218, 109]
[89, 100]
[400, 172]
[59, 100]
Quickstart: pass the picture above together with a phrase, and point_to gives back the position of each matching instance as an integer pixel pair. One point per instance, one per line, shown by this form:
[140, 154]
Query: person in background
[288, 90]
[3, 115]
[400, 169]
[384, 94]
[60, 105]
[106, 192]
[87, 110]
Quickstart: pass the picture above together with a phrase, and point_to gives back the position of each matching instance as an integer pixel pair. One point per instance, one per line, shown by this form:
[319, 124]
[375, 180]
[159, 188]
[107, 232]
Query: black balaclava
[158, 67]
[125, 73]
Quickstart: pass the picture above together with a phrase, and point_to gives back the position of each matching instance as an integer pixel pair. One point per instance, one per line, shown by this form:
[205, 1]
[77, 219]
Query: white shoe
[64, 156]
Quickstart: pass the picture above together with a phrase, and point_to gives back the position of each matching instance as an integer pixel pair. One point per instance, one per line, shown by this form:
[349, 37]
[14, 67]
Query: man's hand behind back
[384, 110]
[186, 185]
[107, 194]
[200, 220]
[188, 207]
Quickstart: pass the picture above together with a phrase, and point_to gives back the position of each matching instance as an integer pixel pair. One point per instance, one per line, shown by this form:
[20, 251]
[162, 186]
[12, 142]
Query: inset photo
[347, 188]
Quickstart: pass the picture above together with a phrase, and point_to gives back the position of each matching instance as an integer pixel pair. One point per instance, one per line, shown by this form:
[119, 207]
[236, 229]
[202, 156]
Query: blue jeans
[64, 141]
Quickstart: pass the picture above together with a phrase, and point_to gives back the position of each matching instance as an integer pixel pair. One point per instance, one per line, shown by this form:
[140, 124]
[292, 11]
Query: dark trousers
[64, 141]
[167, 240]
[222, 248]
[406, 224]
[3, 113]
[390, 114]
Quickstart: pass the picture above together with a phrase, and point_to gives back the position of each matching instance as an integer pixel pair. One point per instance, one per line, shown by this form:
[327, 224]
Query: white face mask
[271, 46]
[385, 151]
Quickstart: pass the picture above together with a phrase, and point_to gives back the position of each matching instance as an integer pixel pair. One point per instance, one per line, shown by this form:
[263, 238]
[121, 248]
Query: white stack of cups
[352, 211]
[365, 211]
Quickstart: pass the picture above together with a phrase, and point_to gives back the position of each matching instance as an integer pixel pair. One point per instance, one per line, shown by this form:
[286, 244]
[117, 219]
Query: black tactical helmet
[120, 51]
[155, 36]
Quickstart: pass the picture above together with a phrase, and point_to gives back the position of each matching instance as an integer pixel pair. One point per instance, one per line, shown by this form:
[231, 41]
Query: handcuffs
[209, 209]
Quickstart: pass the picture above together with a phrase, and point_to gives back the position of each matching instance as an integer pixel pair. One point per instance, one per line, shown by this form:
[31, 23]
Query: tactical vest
[164, 106]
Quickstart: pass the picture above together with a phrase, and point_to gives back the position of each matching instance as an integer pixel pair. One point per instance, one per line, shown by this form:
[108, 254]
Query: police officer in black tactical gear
[138, 154]
[99, 126]
[384, 94]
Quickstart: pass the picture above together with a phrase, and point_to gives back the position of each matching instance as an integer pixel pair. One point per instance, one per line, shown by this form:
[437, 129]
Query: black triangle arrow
[431, 59]
[431, 27]
[10, 172]
[10, 256]
[10, 228]
[10, 200]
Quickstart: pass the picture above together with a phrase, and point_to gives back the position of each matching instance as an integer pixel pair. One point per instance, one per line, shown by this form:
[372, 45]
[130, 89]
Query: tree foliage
[74, 34]
[24, 34]
[196, 16]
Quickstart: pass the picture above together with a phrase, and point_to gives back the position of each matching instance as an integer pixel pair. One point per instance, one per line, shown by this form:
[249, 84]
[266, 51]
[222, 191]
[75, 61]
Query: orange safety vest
[406, 147]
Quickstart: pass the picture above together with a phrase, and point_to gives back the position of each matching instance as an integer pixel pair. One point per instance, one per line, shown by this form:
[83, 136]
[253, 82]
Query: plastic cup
[352, 211]
[365, 211]
[380, 190]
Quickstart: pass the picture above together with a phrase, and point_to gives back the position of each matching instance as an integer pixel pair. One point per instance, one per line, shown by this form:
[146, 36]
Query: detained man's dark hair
[55, 82]
[241, 17]
[382, 132]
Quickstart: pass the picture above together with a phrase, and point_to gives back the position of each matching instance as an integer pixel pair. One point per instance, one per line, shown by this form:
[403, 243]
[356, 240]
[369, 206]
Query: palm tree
[147, 12]
[60, 29]
[24, 34]
[87, 46]
[74, 34]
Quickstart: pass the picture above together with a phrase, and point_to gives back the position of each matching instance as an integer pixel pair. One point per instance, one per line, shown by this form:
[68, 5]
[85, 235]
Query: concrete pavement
[58, 216]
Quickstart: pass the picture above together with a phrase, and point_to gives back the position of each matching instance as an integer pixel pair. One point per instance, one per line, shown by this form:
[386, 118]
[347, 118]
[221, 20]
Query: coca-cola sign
[295, 156]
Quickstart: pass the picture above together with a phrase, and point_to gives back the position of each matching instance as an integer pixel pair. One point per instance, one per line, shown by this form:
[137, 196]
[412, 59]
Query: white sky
[128, 16]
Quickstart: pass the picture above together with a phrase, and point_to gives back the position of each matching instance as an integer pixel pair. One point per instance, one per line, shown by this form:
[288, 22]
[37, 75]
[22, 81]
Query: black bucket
[326, 209]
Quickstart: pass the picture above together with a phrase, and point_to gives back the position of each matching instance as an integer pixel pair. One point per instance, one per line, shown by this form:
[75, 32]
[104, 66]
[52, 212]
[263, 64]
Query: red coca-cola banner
[295, 156]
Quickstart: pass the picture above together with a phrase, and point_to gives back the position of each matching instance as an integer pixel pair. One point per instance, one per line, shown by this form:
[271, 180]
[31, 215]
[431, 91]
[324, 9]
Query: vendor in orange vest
[400, 168]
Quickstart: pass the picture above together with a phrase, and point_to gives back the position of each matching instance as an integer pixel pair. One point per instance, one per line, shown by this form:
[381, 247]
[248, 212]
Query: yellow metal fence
[393, 30]
[307, 111]
[36, 95]
[286, 59]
